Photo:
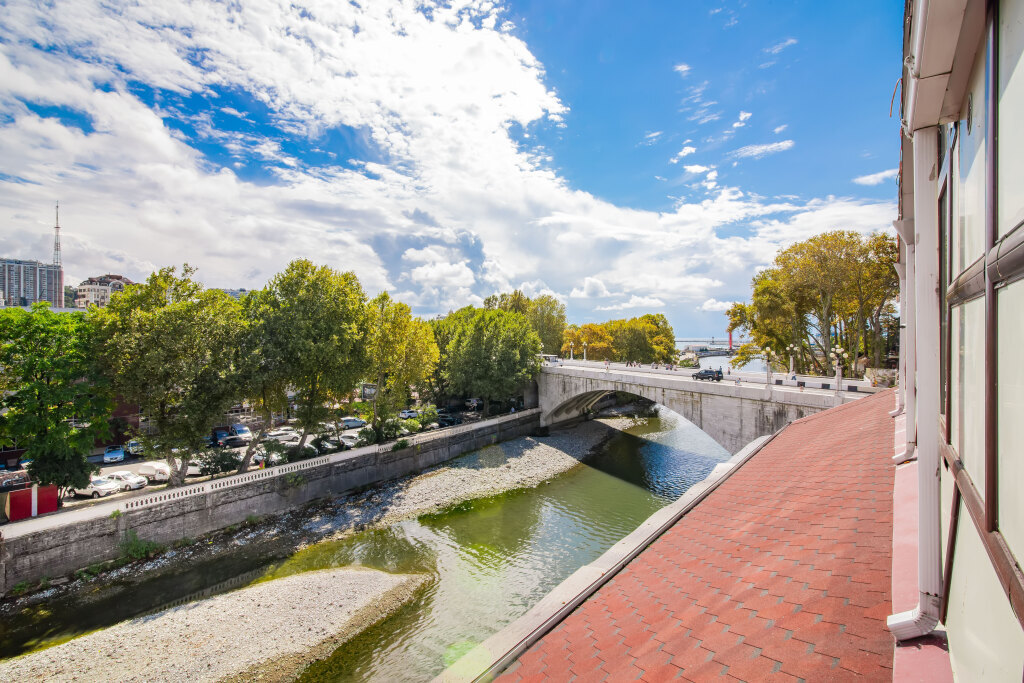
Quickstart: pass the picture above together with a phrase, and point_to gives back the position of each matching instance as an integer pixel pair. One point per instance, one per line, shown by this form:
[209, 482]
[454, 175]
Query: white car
[127, 480]
[281, 434]
[350, 440]
[294, 442]
[98, 486]
[155, 471]
[409, 414]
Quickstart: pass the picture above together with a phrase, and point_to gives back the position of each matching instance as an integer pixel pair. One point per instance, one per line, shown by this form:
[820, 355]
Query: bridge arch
[733, 415]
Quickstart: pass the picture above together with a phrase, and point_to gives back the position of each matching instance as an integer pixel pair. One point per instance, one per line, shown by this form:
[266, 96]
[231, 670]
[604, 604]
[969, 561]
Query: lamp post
[792, 348]
[584, 350]
[838, 355]
[572, 347]
[768, 353]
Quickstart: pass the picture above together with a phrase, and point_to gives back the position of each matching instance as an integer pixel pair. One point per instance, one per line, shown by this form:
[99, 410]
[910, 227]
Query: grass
[20, 588]
[134, 548]
[116, 514]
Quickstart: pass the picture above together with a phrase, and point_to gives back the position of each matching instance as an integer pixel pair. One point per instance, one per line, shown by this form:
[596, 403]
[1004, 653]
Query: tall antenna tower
[56, 239]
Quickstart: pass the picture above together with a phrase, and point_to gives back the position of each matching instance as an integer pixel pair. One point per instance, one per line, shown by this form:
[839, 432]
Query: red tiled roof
[782, 573]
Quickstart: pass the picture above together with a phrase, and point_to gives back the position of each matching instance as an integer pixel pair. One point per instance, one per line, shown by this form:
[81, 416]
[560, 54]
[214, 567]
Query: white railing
[255, 475]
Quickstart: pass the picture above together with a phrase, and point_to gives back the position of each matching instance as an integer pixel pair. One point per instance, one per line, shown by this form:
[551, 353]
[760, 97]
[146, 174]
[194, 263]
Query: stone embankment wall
[195, 510]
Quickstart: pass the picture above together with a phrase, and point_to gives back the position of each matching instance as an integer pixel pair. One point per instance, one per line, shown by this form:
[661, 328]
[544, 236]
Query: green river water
[488, 560]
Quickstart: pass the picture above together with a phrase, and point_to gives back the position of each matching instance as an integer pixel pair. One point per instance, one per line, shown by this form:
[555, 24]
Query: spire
[56, 239]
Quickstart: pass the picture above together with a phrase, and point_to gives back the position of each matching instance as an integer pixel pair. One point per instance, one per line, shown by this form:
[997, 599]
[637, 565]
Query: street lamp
[572, 347]
[768, 353]
[584, 350]
[792, 348]
[838, 355]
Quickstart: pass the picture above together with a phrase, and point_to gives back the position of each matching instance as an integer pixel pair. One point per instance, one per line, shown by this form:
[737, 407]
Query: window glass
[1010, 397]
[956, 400]
[968, 377]
[1011, 113]
[969, 232]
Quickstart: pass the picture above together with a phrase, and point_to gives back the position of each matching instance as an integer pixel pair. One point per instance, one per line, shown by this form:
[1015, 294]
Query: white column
[901, 388]
[925, 281]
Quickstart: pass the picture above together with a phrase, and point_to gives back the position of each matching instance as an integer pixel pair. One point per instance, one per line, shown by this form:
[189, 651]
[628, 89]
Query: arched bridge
[732, 414]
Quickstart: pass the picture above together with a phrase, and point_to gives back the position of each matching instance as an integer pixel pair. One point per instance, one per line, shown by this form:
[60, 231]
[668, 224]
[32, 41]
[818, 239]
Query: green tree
[53, 401]
[516, 301]
[444, 330]
[401, 353]
[169, 346]
[260, 370]
[314, 326]
[492, 354]
[546, 316]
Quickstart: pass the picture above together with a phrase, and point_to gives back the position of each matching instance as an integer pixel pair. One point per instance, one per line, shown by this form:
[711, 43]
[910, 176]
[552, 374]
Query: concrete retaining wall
[196, 510]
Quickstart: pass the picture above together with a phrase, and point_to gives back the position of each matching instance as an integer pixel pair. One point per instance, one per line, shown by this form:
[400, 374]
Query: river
[489, 560]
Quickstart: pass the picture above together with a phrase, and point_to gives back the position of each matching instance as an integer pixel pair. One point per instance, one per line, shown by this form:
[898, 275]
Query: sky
[626, 158]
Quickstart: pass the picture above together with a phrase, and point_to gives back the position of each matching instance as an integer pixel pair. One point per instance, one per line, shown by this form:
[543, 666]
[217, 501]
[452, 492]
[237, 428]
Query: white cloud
[651, 138]
[714, 305]
[592, 288]
[759, 151]
[696, 168]
[744, 115]
[635, 301]
[779, 47]
[438, 202]
[684, 152]
[682, 69]
[877, 178]
[779, 129]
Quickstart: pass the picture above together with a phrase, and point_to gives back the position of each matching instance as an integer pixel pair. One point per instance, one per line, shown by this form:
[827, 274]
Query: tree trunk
[244, 467]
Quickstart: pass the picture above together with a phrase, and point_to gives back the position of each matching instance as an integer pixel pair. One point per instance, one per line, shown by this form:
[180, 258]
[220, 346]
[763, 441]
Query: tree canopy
[836, 288]
[55, 403]
[401, 353]
[168, 345]
[645, 339]
[491, 354]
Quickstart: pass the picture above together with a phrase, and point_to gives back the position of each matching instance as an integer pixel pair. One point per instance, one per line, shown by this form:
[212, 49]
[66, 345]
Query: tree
[314, 326]
[492, 354]
[517, 302]
[53, 402]
[260, 369]
[168, 345]
[401, 353]
[444, 329]
[835, 288]
[546, 316]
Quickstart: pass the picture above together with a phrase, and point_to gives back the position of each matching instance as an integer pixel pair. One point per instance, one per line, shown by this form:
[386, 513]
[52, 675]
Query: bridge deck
[781, 573]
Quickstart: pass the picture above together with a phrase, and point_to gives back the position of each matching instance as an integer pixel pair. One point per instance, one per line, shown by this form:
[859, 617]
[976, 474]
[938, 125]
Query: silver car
[127, 480]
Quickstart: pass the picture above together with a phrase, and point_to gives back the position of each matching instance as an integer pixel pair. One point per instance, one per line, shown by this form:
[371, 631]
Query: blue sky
[624, 157]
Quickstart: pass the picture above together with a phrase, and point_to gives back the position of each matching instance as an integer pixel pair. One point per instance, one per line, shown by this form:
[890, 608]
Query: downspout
[905, 228]
[924, 617]
[901, 391]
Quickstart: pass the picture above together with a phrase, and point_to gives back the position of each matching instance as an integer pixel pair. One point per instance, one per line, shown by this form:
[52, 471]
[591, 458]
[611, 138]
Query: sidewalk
[782, 573]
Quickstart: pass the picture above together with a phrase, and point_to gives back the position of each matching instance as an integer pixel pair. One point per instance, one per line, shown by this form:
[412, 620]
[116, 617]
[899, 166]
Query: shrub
[20, 588]
[400, 444]
[367, 436]
[294, 480]
[252, 520]
[116, 514]
[412, 425]
[134, 548]
[183, 542]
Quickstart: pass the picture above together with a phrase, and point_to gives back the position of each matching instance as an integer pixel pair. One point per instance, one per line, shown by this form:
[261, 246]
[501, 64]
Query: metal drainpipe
[910, 340]
[901, 390]
[923, 618]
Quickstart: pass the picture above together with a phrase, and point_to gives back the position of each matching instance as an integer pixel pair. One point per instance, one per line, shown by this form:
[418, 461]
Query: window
[1011, 109]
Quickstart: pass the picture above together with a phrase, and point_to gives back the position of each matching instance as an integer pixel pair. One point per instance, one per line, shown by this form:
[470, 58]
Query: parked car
[127, 480]
[350, 440]
[242, 431]
[448, 420]
[409, 414]
[234, 441]
[281, 434]
[474, 403]
[708, 374]
[353, 422]
[98, 486]
[155, 471]
[113, 454]
[134, 448]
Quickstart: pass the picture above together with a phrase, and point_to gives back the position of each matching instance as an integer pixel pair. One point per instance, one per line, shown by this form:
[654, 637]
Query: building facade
[96, 291]
[961, 227]
[24, 283]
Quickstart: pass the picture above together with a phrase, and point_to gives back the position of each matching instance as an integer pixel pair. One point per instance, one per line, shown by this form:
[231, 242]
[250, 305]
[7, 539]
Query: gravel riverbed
[520, 463]
[265, 632]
